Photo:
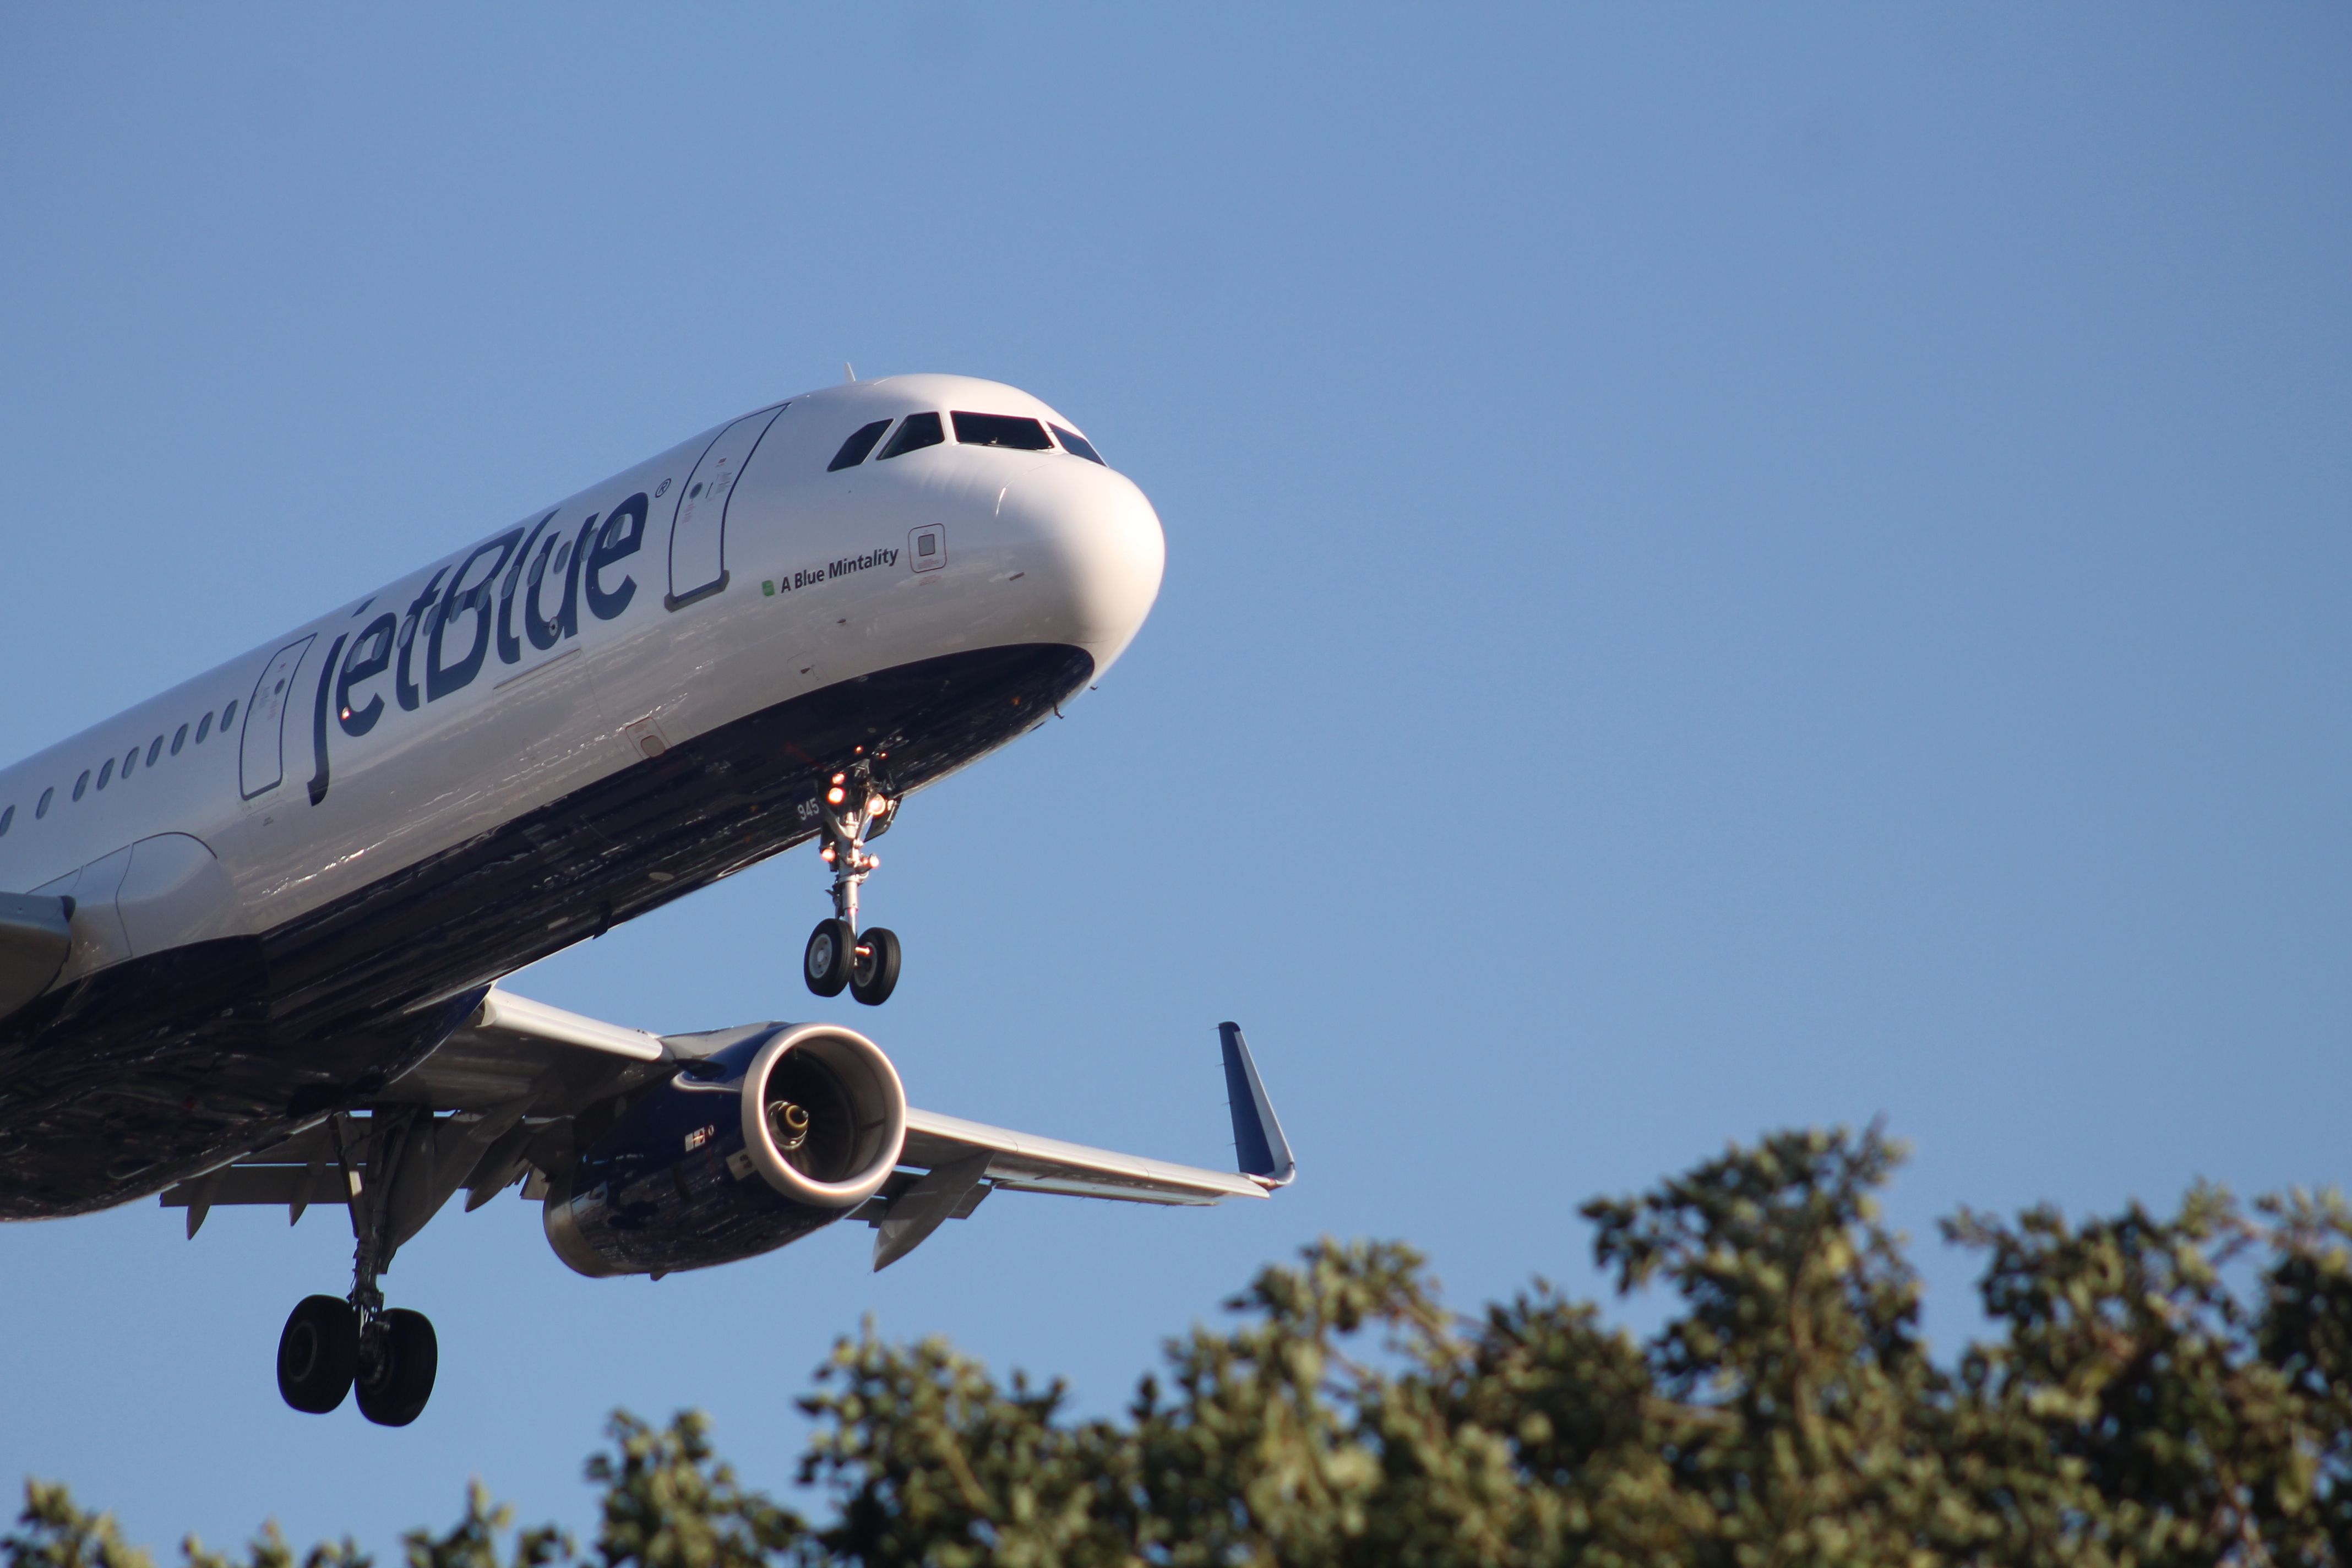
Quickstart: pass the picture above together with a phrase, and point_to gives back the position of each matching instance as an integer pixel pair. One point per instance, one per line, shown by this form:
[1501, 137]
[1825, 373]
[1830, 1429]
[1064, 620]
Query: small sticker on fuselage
[808, 577]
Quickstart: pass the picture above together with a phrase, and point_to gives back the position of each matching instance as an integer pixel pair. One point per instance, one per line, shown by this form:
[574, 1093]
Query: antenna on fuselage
[848, 371]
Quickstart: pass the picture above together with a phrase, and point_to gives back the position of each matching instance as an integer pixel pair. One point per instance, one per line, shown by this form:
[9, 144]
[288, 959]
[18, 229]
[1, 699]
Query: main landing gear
[838, 954]
[328, 1349]
[334, 1346]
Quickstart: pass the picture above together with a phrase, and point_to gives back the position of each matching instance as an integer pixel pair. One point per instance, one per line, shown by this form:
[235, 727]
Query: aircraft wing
[510, 1078]
[501, 1094]
[514, 1052]
[950, 1164]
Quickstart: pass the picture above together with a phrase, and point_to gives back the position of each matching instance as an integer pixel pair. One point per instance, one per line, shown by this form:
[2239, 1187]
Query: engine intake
[782, 1131]
[823, 1115]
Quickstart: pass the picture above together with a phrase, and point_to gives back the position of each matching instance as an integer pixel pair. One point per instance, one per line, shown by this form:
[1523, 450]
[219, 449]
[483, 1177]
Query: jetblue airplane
[252, 930]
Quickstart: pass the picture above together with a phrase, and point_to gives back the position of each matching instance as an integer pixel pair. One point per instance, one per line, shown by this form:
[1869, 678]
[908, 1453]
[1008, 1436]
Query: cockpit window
[853, 451]
[919, 430]
[1078, 446]
[1001, 430]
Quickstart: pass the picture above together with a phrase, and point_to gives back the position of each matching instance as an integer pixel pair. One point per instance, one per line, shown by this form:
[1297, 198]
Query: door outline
[286, 663]
[676, 599]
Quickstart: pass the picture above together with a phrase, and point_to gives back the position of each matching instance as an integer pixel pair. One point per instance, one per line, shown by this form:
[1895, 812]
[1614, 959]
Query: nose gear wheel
[874, 966]
[853, 809]
[824, 963]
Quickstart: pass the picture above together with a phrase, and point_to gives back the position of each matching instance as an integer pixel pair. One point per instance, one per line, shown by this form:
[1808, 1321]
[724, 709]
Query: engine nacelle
[771, 1136]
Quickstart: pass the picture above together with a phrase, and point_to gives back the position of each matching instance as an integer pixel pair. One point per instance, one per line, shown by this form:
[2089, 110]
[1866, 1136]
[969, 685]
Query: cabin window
[129, 760]
[854, 450]
[1001, 430]
[1078, 446]
[81, 784]
[204, 728]
[228, 714]
[179, 739]
[47, 795]
[7, 820]
[154, 750]
[920, 430]
[106, 773]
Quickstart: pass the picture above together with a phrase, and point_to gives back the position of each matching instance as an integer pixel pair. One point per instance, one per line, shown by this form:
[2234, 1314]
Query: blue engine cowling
[773, 1136]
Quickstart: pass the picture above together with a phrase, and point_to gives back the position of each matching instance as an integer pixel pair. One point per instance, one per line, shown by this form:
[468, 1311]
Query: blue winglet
[1259, 1148]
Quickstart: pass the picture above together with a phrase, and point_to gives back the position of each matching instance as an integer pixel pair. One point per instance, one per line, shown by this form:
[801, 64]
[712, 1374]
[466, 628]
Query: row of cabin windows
[137, 756]
[919, 430]
[915, 432]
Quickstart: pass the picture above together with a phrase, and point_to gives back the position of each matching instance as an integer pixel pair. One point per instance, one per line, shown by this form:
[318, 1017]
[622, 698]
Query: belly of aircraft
[121, 1082]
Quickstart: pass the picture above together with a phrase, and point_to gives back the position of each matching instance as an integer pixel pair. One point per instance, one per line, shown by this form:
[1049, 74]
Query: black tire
[317, 1353]
[874, 966]
[824, 962]
[393, 1391]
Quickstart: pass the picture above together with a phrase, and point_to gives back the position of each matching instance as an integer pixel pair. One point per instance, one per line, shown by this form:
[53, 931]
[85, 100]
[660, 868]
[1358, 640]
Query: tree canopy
[2155, 1390]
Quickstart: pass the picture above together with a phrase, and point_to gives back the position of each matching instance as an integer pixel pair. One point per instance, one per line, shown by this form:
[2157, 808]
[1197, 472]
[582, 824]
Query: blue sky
[1726, 570]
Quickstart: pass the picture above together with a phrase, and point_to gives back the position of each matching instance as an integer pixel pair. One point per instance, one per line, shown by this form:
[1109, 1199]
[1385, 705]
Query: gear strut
[855, 808]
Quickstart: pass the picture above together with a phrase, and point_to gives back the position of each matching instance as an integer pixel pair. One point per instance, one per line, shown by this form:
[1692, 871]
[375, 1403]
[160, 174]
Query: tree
[2159, 1391]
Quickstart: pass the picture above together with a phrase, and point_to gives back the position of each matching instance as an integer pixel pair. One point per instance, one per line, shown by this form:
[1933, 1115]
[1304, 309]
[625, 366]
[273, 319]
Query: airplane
[253, 930]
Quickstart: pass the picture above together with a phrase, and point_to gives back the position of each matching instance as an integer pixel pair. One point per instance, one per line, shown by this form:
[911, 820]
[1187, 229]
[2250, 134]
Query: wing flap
[274, 1185]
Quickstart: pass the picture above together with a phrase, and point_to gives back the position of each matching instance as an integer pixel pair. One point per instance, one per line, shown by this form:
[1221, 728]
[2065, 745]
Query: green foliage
[669, 1503]
[473, 1541]
[2158, 1391]
[51, 1533]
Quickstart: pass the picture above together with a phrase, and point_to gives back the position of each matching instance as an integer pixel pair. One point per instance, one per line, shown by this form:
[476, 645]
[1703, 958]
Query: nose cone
[1098, 549]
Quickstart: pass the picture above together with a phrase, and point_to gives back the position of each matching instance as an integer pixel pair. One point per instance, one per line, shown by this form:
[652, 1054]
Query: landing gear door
[261, 758]
[697, 529]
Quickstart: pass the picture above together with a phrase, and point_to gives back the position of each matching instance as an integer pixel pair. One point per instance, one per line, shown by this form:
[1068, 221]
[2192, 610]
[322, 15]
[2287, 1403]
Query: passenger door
[697, 530]
[261, 759]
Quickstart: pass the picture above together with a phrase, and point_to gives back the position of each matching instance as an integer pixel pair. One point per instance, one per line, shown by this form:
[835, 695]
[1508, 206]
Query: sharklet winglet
[1260, 1151]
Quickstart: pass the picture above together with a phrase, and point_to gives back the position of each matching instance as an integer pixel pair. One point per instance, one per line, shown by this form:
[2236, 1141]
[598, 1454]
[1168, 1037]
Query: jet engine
[779, 1131]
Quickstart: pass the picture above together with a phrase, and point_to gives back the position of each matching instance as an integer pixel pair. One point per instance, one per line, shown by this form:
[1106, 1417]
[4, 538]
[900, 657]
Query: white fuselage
[466, 725]
[561, 725]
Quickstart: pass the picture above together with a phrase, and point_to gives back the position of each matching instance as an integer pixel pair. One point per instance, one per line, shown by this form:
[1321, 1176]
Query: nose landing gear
[838, 954]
